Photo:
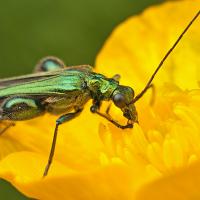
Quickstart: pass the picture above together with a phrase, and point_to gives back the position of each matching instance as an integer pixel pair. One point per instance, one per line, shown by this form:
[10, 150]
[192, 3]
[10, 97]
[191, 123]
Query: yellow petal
[102, 183]
[182, 185]
[136, 47]
[74, 138]
[105, 162]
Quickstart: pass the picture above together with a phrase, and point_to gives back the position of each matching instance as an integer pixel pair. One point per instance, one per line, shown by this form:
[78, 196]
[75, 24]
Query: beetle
[64, 91]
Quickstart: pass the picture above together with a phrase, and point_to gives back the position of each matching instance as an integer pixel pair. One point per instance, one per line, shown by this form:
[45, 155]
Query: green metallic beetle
[64, 91]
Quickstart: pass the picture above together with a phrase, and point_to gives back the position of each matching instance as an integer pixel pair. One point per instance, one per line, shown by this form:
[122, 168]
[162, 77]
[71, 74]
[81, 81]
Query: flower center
[167, 137]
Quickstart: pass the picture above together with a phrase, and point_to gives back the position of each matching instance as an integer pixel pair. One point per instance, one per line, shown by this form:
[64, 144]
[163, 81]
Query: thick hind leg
[48, 64]
[18, 109]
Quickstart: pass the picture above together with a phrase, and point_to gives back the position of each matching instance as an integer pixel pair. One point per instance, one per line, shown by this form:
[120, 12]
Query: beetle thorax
[101, 87]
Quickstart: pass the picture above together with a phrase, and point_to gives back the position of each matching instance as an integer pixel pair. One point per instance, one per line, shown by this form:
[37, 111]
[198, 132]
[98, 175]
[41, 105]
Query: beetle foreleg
[114, 122]
[94, 109]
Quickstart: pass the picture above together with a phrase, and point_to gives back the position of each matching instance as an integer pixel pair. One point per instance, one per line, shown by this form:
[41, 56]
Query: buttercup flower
[158, 158]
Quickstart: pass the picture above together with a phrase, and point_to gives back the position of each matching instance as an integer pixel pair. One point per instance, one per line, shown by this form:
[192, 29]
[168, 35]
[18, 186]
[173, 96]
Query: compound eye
[119, 100]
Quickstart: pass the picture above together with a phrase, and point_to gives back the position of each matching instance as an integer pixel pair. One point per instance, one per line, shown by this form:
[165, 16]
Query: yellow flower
[157, 159]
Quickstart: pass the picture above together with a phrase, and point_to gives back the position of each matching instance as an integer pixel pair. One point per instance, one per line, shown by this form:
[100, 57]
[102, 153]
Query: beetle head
[123, 97]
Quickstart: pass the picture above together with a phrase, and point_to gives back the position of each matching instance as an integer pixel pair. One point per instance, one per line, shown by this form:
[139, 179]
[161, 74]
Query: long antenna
[148, 85]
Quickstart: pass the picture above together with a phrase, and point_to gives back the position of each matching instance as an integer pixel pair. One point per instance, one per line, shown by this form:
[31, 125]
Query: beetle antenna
[164, 58]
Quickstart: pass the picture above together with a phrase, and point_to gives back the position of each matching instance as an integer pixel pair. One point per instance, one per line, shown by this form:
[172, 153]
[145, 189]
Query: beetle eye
[119, 100]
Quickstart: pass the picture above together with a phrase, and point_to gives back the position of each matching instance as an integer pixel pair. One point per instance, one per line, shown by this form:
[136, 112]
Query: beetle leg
[19, 108]
[59, 121]
[108, 109]
[6, 127]
[49, 63]
[95, 109]
[128, 125]
[116, 77]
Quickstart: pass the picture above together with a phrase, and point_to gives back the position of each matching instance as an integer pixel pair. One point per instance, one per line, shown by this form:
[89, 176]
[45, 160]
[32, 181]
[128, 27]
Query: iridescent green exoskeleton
[64, 91]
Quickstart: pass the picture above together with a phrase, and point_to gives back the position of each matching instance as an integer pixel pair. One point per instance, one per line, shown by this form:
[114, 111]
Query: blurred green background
[72, 30]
